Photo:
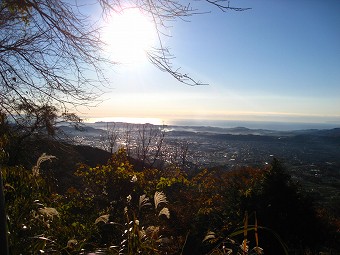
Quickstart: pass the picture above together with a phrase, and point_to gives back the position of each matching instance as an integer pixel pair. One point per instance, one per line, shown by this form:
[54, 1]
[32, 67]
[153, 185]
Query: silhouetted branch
[52, 54]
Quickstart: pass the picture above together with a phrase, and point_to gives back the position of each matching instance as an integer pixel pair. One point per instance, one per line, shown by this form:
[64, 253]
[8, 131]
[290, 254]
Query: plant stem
[3, 226]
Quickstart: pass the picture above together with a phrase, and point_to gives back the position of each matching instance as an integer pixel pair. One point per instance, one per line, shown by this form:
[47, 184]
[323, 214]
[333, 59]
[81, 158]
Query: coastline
[266, 125]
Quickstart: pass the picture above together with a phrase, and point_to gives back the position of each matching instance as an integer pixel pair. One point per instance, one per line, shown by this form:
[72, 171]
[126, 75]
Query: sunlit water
[279, 126]
[154, 121]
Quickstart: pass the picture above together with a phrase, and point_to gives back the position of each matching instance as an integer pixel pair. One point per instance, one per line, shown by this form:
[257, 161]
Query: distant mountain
[85, 130]
[98, 129]
[248, 131]
[232, 131]
[335, 132]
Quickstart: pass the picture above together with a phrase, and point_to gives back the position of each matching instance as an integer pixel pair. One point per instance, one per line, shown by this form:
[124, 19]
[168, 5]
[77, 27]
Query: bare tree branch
[51, 53]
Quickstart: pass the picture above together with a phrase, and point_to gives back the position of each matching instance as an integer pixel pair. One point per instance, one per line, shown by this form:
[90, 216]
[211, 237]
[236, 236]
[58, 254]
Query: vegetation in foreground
[125, 207]
[118, 208]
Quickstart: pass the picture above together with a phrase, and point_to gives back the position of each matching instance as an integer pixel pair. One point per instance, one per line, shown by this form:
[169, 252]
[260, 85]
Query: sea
[267, 125]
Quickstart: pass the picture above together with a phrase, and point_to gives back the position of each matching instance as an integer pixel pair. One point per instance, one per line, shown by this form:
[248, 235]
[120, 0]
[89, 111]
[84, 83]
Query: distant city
[312, 156]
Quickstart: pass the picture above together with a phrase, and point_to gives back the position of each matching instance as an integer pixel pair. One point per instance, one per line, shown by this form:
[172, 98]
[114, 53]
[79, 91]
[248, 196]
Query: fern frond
[164, 240]
[103, 218]
[159, 198]
[44, 157]
[209, 235]
[165, 211]
[258, 250]
[49, 212]
[152, 232]
[72, 243]
[143, 201]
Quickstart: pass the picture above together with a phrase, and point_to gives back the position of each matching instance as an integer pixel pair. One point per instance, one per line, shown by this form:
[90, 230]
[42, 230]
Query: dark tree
[283, 207]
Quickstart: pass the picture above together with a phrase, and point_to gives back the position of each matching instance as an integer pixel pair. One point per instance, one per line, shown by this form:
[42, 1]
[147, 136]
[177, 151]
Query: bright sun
[128, 36]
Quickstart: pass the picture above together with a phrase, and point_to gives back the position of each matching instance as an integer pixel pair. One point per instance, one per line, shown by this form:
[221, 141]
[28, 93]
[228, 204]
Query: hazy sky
[278, 61]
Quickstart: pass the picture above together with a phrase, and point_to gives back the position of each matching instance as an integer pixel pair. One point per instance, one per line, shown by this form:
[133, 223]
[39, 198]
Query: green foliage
[144, 235]
[124, 211]
[175, 178]
[24, 196]
[110, 184]
[127, 220]
[230, 245]
[40, 219]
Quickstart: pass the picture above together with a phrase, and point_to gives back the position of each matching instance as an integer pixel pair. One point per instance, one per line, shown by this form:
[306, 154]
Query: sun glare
[128, 36]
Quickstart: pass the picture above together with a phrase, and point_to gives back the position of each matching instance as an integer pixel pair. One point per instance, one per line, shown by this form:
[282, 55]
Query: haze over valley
[312, 156]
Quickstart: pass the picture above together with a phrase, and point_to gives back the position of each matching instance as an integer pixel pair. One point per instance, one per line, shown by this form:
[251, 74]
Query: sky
[278, 61]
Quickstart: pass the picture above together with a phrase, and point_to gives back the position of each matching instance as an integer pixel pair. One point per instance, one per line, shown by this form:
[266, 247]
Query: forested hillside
[75, 199]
